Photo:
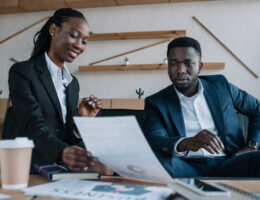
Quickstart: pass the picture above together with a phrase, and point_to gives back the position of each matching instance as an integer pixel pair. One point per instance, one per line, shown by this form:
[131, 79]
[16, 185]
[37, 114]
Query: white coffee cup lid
[19, 142]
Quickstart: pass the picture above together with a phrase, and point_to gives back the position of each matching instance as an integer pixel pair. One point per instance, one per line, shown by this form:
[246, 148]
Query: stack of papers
[94, 190]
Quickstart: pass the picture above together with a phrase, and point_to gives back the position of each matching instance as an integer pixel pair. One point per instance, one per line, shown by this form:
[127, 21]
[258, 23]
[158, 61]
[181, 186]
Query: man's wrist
[175, 151]
[181, 146]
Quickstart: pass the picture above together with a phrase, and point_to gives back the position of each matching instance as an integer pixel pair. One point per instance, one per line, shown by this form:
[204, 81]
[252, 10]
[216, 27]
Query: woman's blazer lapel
[72, 97]
[46, 80]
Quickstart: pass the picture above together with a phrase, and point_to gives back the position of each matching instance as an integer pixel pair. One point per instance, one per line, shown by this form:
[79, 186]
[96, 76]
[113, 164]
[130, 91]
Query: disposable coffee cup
[15, 160]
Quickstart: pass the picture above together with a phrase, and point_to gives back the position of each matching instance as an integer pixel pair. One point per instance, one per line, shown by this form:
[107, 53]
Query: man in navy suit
[192, 125]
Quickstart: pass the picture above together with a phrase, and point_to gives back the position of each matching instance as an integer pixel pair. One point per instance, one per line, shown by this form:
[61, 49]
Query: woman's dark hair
[42, 38]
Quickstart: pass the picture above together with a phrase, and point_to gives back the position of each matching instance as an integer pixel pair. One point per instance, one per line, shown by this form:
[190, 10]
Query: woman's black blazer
[37, 112]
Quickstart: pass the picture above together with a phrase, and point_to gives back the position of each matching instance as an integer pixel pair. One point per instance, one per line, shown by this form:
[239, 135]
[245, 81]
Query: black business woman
[45, 95]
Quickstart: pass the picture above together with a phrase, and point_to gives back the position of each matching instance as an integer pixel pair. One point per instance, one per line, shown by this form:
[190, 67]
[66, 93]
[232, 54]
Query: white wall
[235, 22]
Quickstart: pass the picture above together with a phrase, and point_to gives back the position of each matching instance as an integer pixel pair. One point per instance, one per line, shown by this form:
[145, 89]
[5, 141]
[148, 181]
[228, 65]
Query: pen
[93, 101]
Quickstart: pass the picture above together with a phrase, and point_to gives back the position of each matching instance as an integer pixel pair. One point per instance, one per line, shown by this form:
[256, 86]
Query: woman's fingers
[77, 159]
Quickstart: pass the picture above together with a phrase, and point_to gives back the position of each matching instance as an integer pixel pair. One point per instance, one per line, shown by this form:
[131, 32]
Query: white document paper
[5, 196]
[93, 190]
[119, 143]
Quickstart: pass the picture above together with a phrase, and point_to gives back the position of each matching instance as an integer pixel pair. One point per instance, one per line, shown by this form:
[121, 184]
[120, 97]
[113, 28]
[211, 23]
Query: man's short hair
[184, 42]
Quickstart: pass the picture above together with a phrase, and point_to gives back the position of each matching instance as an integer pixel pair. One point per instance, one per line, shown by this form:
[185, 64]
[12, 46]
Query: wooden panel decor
[123, 67]
[225, 47]
[128, 52]
[106, 103]
[21, 31]
[138, 35]
[178, 1]
[135, 104]
[3, 106]
[142, 67]
[137, 2]
[14, 60]
[10, 6]
[90, 3]
[41, 5]
[133, 35]
[17, 6]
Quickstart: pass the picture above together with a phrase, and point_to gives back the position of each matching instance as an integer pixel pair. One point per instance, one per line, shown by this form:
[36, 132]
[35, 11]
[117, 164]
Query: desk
[247, 185]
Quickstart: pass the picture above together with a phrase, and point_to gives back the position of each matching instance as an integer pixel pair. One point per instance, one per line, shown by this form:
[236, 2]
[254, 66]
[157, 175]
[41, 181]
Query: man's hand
[89, 107]
[245, 149]
[204, 139]
[77, 159]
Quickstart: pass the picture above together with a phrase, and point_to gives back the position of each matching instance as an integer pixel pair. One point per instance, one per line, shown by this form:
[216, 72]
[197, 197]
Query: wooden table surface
[252, 186]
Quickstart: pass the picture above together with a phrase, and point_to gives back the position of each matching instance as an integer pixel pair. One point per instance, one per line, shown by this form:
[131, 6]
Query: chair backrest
[139, 114]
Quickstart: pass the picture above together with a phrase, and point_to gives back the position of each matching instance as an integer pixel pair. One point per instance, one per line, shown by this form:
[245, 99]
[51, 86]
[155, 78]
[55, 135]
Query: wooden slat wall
[41, 5]
[137, 104]
[3, 106]
[17, 6]
[137, 35]
[90, 3]
[143, 67]
[106, 103]
[10, 6]
[137, 2]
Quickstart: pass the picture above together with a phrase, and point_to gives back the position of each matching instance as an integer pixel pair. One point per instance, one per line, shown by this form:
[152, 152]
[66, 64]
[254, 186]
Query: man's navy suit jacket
[164, 119]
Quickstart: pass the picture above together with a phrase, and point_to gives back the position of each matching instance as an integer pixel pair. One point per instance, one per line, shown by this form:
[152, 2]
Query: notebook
[55, 172]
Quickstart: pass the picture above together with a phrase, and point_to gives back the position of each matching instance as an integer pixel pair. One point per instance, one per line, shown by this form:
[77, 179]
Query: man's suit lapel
[213, 100]
[46, 80]
[175, 110]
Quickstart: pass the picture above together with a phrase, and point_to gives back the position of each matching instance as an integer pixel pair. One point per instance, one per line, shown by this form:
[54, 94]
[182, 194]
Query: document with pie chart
[119, 143]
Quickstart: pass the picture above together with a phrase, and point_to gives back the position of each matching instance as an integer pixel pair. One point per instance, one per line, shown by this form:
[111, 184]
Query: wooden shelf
[142, 67]
[137, 35]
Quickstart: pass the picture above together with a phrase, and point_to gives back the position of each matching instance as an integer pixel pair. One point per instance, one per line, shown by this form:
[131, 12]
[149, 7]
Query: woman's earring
[52, 34]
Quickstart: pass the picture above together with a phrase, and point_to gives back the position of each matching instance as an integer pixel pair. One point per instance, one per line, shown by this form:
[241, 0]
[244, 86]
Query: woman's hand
[89, 107]
[78, 159]
[101, 168]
